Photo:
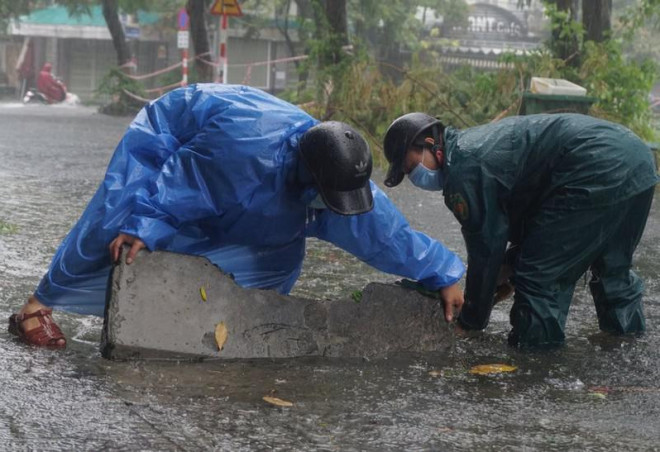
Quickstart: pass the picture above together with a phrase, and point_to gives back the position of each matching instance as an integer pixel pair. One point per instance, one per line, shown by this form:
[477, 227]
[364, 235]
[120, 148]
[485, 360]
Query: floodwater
[596, 393]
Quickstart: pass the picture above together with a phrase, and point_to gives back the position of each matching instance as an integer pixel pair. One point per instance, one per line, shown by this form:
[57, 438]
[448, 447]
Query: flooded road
[596, 393]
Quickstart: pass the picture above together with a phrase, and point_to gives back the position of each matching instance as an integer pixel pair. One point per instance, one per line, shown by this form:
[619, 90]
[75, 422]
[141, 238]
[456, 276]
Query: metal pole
[216, 45]
[268, 66]
[184, 67]
[223, 48]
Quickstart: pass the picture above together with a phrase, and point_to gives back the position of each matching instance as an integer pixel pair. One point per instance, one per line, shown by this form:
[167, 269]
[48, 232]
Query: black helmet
[399, 136]
[340, 162]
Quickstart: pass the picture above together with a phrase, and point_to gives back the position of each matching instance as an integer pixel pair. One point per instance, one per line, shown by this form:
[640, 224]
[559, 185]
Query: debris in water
[277, 401]
[489, 369]
[6, 228]
[220, 334]
[598, 395]
[599, 390]
[436, 373]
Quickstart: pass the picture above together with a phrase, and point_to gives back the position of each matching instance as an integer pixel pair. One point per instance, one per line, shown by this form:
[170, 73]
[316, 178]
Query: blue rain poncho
[212, 170]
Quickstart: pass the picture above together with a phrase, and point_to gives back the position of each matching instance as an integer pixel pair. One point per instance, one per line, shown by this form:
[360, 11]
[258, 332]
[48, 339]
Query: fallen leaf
[202, 292]
[220, 334]
[598, 395]
[488, 369]
[277, 402]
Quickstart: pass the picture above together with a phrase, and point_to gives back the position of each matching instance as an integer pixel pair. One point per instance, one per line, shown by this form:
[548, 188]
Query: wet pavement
[596, 393]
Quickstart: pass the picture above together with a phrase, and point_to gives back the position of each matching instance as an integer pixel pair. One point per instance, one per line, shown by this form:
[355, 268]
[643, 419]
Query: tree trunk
[335, 36]
[305, 12]
[196, 11]
[566, 47]
[596, 19]
[335, 13]
[111, 16]
[284, 29]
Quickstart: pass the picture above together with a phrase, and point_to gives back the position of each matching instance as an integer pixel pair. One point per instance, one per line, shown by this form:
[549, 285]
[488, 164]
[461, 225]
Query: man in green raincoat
[566, 192]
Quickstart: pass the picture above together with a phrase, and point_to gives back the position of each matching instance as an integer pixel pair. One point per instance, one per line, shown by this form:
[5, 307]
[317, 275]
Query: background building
[81, 51]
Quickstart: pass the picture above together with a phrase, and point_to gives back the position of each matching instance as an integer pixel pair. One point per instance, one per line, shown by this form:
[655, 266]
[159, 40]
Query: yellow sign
[226, 8]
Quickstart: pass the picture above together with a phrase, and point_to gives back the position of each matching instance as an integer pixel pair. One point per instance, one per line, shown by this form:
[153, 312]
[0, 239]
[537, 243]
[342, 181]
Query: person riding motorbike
[53, 89]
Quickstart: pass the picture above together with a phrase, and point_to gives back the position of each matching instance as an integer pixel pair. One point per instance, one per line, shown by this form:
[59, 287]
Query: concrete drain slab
[167, 306]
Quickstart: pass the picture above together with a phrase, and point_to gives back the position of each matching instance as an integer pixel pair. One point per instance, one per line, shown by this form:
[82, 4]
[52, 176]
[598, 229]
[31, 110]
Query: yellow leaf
[220, 334]
[202, 292]
[488, 369]
[276, 401]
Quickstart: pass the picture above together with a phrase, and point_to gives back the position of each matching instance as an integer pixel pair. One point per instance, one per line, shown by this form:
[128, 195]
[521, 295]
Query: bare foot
[27, 325]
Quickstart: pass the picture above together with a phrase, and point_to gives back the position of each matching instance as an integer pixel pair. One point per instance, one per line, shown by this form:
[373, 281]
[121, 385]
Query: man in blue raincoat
[568, 192]
[240, 177]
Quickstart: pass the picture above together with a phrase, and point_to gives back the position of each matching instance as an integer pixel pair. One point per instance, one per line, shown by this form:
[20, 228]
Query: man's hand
[452, 298]
[125, 239]
[504, 288]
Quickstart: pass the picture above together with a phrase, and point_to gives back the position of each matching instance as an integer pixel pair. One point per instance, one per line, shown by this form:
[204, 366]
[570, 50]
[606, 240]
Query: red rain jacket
[53, 89]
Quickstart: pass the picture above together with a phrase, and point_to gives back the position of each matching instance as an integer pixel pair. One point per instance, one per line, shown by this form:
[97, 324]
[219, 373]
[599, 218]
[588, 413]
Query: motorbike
[33, 95]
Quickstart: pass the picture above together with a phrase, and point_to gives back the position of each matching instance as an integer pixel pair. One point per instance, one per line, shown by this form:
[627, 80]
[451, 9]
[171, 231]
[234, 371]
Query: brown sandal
[47, 334]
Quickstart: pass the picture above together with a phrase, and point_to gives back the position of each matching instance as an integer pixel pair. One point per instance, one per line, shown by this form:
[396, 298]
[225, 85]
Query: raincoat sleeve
[383, 239]
[182, 192]
[187, 175]
[474, 202]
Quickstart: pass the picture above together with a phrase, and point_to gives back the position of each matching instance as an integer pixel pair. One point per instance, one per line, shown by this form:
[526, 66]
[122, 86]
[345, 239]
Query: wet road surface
[596, 393]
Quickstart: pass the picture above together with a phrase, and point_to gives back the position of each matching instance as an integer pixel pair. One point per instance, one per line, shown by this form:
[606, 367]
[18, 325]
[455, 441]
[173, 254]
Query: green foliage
[469, 97]
[119, 89]
[6, 228]
[13, 8]
[384, 25]
[621, 87]
[371, 101]
[124, 92]
[642, 12]
[466, 97]
[174, 76]
[567, 34]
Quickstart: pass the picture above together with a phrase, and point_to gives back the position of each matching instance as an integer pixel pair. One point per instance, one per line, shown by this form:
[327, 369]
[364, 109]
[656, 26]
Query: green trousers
[557, 248]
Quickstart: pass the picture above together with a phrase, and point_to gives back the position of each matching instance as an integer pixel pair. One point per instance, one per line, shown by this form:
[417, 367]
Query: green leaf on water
[357, 296]
[6, 228]
[597, 395]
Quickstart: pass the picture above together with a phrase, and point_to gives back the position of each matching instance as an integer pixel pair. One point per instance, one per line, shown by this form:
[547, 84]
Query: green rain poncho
[562, 187]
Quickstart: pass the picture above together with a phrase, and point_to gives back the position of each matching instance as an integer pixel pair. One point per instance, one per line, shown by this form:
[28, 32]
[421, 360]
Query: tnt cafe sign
[492, 23]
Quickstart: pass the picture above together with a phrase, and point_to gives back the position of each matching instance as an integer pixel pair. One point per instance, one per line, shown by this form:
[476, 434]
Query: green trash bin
[533, 103]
